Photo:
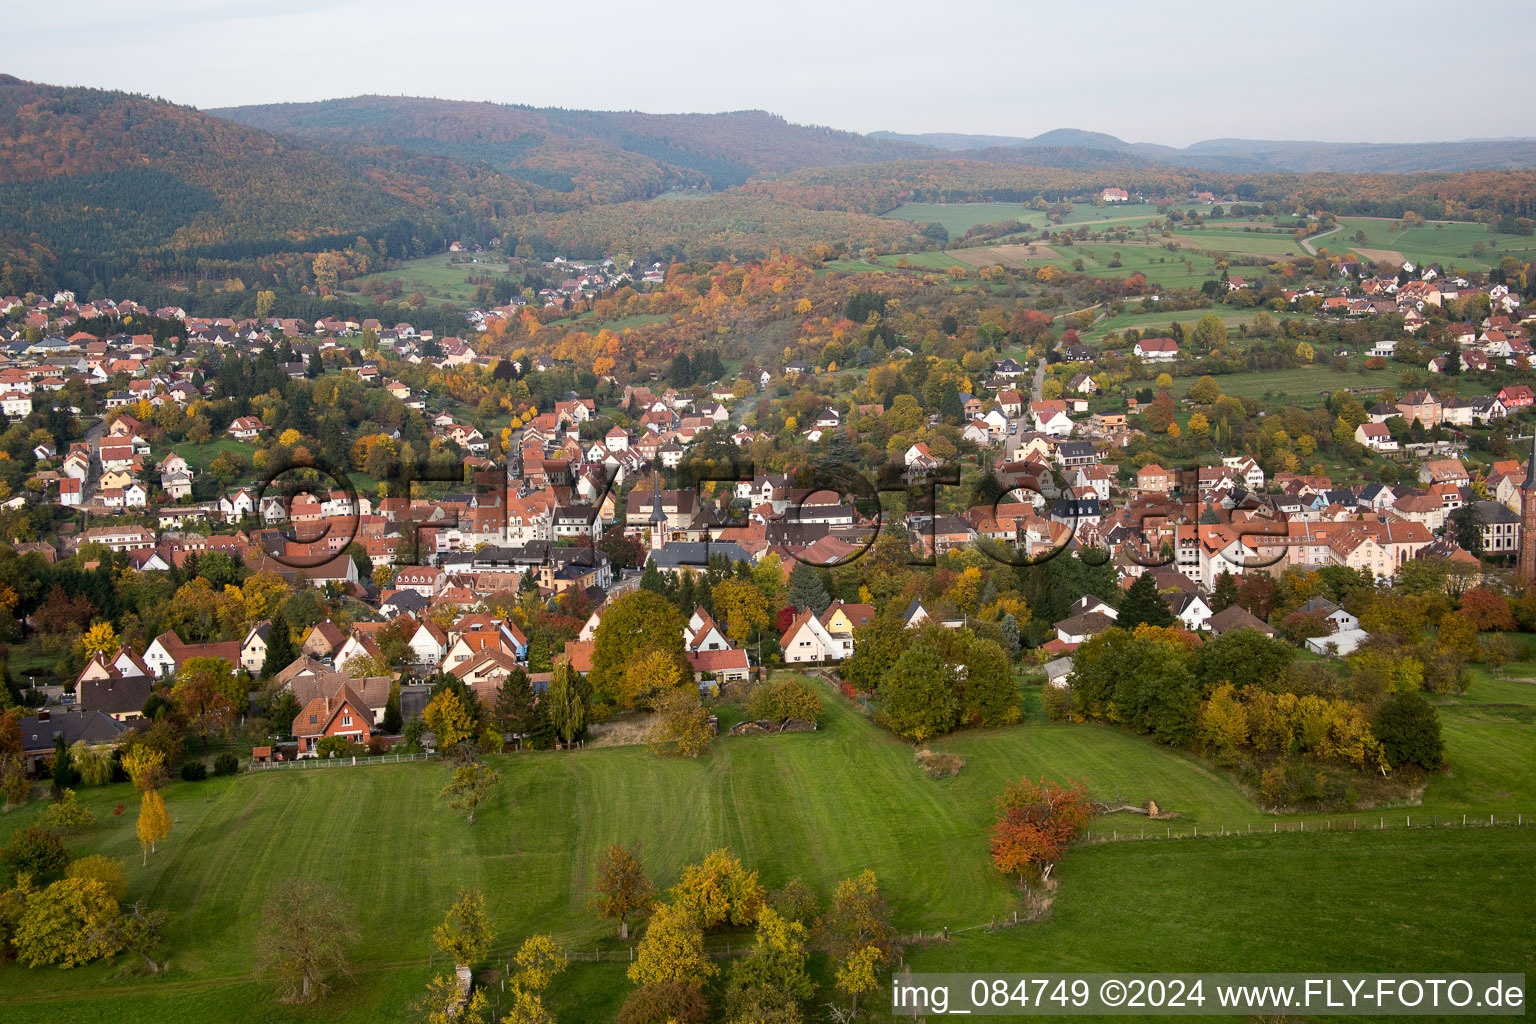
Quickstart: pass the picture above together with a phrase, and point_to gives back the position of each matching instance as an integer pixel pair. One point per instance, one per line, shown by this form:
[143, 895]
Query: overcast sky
[1170, 72]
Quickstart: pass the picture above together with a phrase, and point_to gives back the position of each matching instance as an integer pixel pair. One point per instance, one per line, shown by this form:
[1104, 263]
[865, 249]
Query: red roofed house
[1157, 350]
[1516, 396]
[343, 714]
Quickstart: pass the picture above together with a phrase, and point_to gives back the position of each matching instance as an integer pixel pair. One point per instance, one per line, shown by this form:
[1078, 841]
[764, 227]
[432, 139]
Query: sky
[1165, 71]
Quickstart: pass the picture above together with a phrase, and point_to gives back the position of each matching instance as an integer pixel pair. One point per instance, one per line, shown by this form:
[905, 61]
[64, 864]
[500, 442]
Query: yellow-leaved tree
[154, 822]
[101, 639]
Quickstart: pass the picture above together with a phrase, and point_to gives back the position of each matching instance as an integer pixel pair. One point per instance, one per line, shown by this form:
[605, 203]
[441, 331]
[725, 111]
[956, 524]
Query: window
[312, 720]
[346, 719]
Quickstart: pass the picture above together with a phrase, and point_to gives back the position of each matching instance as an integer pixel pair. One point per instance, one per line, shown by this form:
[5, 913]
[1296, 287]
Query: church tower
[658, 517]
[1525, 568]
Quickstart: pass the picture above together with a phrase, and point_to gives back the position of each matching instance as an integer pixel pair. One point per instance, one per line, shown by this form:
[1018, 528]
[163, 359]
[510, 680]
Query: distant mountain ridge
[622, 154]
[1252, 156]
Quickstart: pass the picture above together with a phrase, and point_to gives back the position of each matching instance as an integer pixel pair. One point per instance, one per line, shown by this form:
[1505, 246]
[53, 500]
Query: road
[1035, 394]
[1306, 243]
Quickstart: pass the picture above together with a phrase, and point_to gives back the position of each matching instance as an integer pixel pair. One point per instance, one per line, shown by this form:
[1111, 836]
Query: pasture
[823, 806]
[436, 277]
[1451, 243]
[1303, 387]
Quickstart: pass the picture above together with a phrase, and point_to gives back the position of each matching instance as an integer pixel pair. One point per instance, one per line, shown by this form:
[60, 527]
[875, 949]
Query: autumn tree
[638, 621]
[858, 934]
[672, 950]
[1036, 821]
[466, 933]
[650, 675]
[101, 639]
[154, 822]
[468, 787]
[743, 606]
[772, 977]
[681, 723]
[450, 721]
[70, 922]
[304, 939]
[620, 889]
[719, 890]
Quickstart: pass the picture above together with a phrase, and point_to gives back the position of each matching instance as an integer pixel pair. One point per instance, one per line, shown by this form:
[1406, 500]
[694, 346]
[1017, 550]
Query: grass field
[435, 277]
[1303, 387]
[1447, 242]
[824, 806]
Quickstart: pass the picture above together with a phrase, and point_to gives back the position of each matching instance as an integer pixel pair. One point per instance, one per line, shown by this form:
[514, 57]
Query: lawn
[199, 456]
[1303, 387]
[1133, 318]
[822, 805]
[436, 277]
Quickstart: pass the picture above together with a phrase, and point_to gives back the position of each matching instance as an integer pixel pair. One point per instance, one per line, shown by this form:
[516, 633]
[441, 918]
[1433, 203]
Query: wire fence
[1354, 823]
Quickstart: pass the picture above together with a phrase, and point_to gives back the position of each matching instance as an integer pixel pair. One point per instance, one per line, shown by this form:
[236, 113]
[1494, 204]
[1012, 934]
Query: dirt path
[1306, 243]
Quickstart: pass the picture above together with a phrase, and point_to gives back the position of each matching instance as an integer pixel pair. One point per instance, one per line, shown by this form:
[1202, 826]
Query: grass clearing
[437, 277]
[821, 805]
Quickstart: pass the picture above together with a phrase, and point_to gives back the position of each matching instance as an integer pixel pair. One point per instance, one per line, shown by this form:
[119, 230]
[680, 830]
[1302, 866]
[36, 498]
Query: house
[1376, 437]
[323, 639]
[1115, 195]
[1340, 620]
[40, 730]
[117, 686]
[807, 641]
[245, 428]
[341, 714]
[1078, 628]
[1154, 479]
[428, 644]
[702, 634]
[1050, 417]
[725, 666]
[915, 615]
[253, 649]
[1157, 350]
[1236, 617]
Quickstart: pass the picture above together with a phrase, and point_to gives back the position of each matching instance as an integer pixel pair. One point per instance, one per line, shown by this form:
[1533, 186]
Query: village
[536, 503]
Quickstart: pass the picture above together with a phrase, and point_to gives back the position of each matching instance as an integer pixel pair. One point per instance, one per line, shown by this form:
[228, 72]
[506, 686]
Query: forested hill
[1242, 156]
[609, 155]
[95, 172]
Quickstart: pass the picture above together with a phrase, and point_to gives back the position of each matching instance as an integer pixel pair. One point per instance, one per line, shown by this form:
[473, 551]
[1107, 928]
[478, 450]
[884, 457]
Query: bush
[226, 764]
[1408, 728]
[939, 766]
[340, 746]
[194, 771]
[106, 870]
[1056, 702]
[67, 815]
[787, 698]
[36, 851]
[663, 1002]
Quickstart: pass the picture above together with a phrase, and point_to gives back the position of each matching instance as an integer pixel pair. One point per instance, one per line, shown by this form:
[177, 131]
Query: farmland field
[1447, 242]
[958, 218]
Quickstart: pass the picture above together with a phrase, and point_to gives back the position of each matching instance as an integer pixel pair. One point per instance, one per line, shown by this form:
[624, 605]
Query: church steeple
[658, 517]
[1530, 469]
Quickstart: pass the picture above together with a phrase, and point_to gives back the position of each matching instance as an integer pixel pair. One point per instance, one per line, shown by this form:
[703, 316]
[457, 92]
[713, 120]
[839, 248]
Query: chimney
[42, 714]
